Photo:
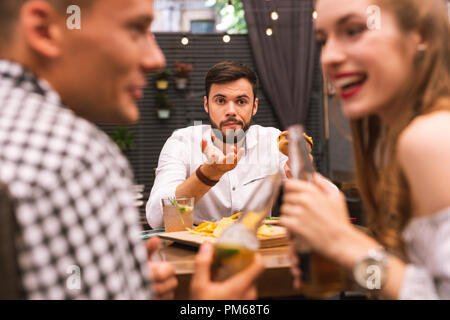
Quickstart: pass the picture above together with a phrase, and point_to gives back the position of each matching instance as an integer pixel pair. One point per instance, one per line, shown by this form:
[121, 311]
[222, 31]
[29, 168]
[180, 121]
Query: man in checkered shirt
[71, 186]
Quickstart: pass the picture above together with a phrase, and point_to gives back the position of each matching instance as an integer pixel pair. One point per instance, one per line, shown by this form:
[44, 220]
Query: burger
[283, 142]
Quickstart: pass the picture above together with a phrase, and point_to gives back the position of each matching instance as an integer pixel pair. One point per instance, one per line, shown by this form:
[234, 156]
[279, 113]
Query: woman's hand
[316, 212]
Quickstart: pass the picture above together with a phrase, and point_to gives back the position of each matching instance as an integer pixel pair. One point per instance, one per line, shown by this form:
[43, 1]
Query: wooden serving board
[185, 237]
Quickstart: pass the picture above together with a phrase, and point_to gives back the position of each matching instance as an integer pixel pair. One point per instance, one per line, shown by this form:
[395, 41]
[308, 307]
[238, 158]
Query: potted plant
[124, 138]
[163, 105]
[182, 74]
[162, 79]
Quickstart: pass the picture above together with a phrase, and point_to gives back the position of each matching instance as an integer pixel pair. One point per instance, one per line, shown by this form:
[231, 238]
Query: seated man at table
[78, 233]
[220, 164]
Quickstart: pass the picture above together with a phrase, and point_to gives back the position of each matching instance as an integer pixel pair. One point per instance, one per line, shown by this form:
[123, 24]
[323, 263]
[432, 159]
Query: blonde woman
[389, 62]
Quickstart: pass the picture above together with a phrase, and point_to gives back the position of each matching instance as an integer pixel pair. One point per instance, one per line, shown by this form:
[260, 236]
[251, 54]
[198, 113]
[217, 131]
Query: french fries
[212, 229]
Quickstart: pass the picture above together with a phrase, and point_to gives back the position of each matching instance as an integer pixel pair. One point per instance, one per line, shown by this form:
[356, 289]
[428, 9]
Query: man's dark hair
[9, 13]
[229, 71]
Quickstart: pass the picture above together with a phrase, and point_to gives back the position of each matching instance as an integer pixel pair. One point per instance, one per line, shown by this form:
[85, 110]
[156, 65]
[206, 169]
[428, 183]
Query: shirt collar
[251, 137]
[26, 80]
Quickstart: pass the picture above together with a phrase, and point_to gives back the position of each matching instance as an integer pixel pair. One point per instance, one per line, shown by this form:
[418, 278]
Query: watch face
[368, 273]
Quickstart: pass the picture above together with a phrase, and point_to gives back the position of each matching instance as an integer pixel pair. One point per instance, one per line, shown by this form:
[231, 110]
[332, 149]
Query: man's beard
[231, 136]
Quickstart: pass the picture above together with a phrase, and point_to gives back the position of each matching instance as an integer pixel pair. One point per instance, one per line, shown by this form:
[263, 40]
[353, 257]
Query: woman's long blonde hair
[380, 180]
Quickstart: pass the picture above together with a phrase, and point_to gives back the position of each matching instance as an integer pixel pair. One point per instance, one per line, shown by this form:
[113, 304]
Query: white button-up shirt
[182, 155]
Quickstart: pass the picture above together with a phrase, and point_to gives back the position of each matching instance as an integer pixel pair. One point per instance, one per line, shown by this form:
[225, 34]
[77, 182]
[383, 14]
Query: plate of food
[269, 235]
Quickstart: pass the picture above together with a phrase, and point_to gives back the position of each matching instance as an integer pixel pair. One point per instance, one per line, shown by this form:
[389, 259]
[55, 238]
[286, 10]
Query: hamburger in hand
[283, 142]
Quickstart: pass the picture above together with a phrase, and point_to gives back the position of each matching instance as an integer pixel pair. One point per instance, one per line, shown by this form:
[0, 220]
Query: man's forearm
[193, 187]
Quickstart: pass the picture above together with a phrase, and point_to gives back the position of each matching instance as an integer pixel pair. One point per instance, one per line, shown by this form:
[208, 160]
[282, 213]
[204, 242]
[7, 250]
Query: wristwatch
[370, 271]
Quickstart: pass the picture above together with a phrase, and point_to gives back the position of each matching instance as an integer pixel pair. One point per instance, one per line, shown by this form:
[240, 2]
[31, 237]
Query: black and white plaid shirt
[73, 194]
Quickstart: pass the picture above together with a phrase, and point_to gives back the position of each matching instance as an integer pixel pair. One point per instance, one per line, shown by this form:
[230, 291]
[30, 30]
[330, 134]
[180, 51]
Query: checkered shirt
[79, 229]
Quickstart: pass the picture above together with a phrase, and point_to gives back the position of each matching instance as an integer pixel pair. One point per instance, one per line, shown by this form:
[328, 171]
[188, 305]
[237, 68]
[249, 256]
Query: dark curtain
[285, 60]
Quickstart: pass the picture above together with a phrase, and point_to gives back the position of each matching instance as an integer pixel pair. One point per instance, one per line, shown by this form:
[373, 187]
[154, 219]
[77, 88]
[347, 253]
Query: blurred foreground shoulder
[424, 156]
[430, 132]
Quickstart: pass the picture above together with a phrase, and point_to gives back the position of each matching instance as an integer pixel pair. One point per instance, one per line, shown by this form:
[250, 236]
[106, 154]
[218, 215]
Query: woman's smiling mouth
[350, 83]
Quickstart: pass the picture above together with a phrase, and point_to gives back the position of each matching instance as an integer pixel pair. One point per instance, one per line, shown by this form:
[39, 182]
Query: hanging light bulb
[314, 15]
[274, 15]
[226, 38]
[269, 32]
[185, 41]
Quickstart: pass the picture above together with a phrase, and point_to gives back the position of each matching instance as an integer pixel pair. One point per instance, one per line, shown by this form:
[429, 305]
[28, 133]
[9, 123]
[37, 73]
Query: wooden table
[275, 282]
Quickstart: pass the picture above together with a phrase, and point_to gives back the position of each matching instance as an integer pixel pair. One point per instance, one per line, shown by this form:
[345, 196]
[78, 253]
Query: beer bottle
[236, 246]
[321, 277]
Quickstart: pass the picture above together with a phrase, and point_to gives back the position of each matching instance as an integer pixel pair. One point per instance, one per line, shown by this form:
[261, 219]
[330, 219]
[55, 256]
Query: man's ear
[205, 104]
[42, 27]
[255, 107]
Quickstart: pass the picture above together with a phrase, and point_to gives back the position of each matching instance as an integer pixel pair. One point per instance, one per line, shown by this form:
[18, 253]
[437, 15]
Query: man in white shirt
[221, 164]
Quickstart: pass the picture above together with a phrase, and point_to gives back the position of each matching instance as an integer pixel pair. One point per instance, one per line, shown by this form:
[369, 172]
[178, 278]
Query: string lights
[185, 41]
[274, 15]
[226, 38]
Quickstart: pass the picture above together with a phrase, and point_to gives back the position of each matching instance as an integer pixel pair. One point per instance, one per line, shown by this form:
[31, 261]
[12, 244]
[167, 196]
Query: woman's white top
[427, 242]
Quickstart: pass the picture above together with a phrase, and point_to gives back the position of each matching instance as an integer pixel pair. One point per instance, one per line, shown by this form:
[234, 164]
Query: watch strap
[204, 179]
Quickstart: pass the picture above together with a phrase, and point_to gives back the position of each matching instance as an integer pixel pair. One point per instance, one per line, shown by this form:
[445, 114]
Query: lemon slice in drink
[185, 208]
